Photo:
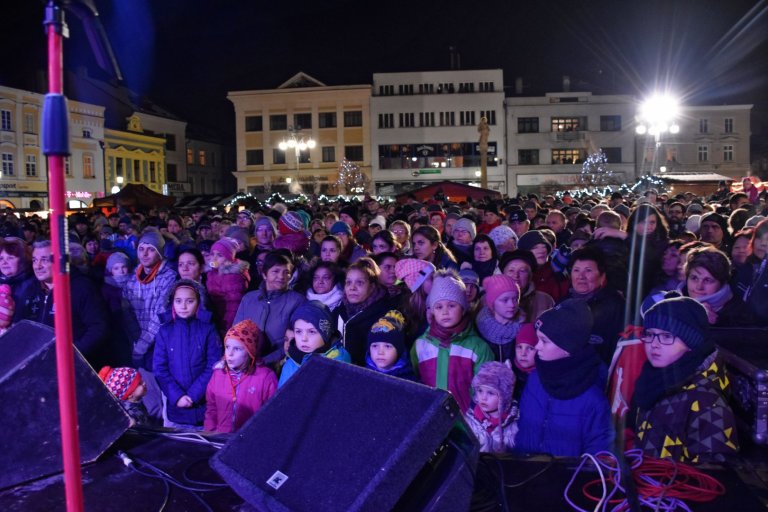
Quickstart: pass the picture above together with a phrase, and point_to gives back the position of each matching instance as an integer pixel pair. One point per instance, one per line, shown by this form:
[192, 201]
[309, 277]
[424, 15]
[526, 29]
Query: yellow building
[336, 118]
[132, 157]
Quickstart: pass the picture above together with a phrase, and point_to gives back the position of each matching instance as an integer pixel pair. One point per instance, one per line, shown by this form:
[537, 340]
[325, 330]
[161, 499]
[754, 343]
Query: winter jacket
[354, 330]
[401, 369]
[693, 424]
[271, 311]
[89, 316]
[185, 352]
[226, 287]
[225, 414]
[23, 284]
[146, 302]
[290, 367]
[500, 439]
[534, 302]
[554, 284]
[565, 428]
[451, 366]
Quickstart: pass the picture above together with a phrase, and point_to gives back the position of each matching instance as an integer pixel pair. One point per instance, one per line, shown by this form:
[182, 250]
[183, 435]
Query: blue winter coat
[290, 367]
[563, 428]
[185, 352]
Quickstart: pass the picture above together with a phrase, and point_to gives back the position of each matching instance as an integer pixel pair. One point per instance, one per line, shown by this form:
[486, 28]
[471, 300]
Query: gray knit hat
[153, 238]
[117, 257]
[448, 287]
[500, 377]
[466, 225]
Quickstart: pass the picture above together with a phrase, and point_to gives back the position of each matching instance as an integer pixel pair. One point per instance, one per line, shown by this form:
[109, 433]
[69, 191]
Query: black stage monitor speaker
[339, 437]
[30, 406]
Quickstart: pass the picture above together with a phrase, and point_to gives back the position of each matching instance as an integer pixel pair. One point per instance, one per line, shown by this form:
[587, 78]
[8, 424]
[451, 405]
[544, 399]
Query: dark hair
[194, 252]
[738, 219]
[712, 260]
[388, 238]
[760, 230]
[338, 274]
[488, 240]
[276, 258]
[379, 258]
[588, 254]
[334, 239]
[641, 213]
[433, 235]
[16, 247]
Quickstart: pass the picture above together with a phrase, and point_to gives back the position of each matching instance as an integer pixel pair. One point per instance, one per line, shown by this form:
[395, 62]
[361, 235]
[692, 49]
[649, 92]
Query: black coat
[354, 332]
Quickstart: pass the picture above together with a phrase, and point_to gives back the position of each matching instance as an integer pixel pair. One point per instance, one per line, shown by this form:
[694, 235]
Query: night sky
[186, 54]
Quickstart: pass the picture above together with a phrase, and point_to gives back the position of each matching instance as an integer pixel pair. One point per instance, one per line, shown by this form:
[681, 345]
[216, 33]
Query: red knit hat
[526, 335]
[290, 222]
[122, 382]
[247, 333]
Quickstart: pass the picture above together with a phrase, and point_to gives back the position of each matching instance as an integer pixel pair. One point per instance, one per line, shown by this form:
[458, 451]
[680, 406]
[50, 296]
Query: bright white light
[120, 180]
[302, 146]
[283, 146]
[311, 143]
[674, 129]
[115, 189]
[291, 143]
[662, 127]
[641, 129]
[663, 168]
[288, 180]
[659, 109]
[478, 174]
[414, 158]
[653, 130]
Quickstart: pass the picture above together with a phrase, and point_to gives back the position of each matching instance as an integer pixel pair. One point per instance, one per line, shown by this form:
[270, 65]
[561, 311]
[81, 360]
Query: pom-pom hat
[121, 382]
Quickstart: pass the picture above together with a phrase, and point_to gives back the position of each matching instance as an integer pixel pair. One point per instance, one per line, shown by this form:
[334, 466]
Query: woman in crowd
[16, 271]
[387, 261]
[384, 241]
[191, 265]
[485, 259]
[520, 266]
[427, 246]
[402, 233]
[326, 285]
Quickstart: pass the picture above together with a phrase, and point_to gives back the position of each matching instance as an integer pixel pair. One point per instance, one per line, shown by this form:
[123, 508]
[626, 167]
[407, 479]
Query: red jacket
[223, 414]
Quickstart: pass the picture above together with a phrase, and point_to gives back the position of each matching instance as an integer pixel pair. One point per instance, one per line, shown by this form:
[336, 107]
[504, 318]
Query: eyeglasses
[665, 338]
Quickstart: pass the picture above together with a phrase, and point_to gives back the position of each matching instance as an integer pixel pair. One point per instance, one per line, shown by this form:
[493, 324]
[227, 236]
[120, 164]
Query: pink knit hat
[497, 284]
[413, 272]
[227, 248]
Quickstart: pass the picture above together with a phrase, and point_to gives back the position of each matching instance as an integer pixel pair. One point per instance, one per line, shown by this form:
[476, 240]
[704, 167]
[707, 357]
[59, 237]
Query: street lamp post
[656, 117]
[298, 143]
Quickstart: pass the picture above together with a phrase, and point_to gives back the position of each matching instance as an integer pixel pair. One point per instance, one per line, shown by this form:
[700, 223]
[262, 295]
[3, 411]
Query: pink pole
[61, 293]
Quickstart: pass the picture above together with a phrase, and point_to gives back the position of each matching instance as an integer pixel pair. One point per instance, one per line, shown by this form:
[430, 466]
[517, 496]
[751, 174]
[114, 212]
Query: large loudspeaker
[338, 437]
[30, 405]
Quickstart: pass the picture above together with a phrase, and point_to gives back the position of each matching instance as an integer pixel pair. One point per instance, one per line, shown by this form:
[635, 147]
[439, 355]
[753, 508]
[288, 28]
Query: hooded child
[494, 412]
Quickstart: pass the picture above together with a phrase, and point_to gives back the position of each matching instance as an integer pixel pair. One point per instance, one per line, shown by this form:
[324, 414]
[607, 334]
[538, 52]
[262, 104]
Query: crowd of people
[515, 306]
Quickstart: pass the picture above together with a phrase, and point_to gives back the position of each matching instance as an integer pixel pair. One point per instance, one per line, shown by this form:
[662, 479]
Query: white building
[174, 132]
[23, 167]
[424, 128]
[550, 136]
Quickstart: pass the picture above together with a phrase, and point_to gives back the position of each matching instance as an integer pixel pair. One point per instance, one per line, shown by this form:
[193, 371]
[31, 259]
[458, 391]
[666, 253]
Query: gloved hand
[560, 258]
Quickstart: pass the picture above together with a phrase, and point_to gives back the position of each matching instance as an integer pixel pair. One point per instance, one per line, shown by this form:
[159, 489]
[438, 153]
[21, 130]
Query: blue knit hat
[568, 325]
[340, 227]
[317, 314]
[684, 317]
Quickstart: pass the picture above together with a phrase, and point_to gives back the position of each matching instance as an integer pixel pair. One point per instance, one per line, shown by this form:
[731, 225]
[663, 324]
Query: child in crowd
[417, 276]
[449, 354]
[226, 282]
[493, 416]
[313, 333]
[127, 386]
[499, 320]
[564, 411]
[117, 274]
[525, 357]
[386, 347]
[186, 348]
[472, 281]
[241, 383]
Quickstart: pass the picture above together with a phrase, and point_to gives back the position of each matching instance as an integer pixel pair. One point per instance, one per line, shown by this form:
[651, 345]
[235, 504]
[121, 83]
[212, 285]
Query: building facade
[550, 137]
[711, 140]
[336, 118]
[23, 167]
[131, 156]
[209, 166]
[174, 132]
[425, 128]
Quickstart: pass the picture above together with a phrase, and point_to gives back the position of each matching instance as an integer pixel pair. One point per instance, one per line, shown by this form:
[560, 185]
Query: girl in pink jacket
[240, 383]
[227, 282]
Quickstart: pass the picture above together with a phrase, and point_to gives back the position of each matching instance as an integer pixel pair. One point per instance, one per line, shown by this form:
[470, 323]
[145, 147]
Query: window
[254, 157]
[405, 89]
[136, 170]
[528, 125]
[31, 165]
[567, 156]
[303, 121]
[728, 153]
[486, 86]
[354, 153]
[426, 88]
[278, 122]
[386, 120]
[406, 120]
[489, 115]
[88, 167]
[7, 161]
[5, 120]
[728, 125]
[278, 156]
[190, 156]
[152, 173]
[329, 153]
[612, 155]
[170, 169]
[201, 157]
[326, 119]
[67, 167]
[426, 119]
[213, 159]
[703, 153]
[253, 124]
[353, 118]
[467, 118]
[703, 125]
[447, 118]
[528, 156]
[386, 90]
[467, 87]
[304, 156]
[170, 142]
[569, 124]
[610, 123]
[118, 166]
[29, 124]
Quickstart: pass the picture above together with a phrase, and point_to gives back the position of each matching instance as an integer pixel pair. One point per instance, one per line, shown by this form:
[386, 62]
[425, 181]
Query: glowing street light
[297, 143]
[657, 115]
